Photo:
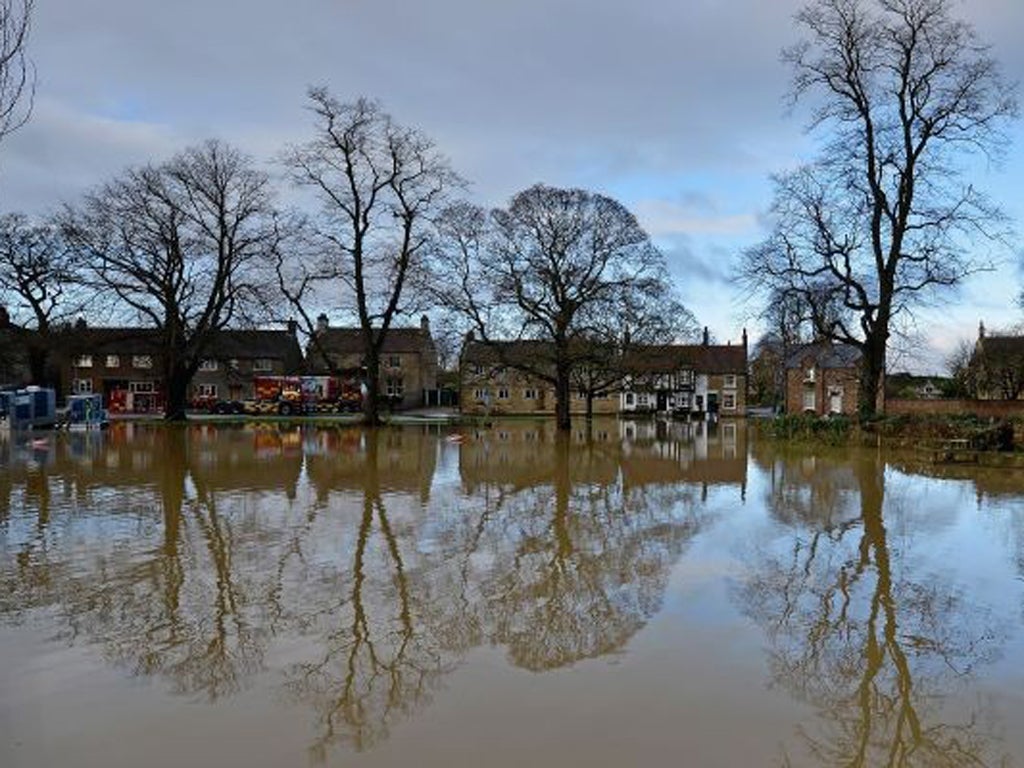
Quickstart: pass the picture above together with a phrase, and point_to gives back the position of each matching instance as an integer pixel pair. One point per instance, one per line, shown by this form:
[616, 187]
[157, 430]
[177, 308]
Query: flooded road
[629, 595]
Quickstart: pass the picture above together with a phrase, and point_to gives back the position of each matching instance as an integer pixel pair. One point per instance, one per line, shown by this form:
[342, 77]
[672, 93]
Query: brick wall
[826, 380]
[992, 408]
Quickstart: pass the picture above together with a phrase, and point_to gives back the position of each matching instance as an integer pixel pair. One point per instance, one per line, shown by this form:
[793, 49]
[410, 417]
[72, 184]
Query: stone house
[823, 378]
[408, 365]
[491, 383]
[236, 357]
[997, 366]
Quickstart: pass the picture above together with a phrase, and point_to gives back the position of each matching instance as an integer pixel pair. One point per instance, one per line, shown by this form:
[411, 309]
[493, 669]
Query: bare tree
[182, 246]
[904, 95]
[567, 267]
[40, 281]
[17, 76]
[379, 185]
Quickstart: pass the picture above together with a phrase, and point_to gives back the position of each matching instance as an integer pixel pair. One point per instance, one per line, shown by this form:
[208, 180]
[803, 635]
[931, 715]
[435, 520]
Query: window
[478, 369]
[206, 390]
[481, 394]
[686, 376]
[809, 400]
[630, 398]
[503, 393]
[113, 361]
[394, 388]
[233, 364]
[82, 386]
[83, 361]
[641, 400]
[730, 380]
[529, 393]
[728, 401]
[260, 365]
[394, 361]
[142, 361]
[141, 387]
[208, 365]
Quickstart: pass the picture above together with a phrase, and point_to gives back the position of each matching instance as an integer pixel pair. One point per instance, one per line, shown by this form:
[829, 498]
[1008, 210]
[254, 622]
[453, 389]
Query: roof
[714, 358]
[711, 358]
[349, 341]
[245, 344]
[1002, 347]
[262, 344]
[824, 354]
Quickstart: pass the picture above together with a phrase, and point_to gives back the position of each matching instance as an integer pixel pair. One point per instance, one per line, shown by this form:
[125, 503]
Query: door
[662, 402]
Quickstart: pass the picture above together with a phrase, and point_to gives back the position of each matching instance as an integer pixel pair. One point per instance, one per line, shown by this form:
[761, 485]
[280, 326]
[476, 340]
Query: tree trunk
[872, 377]
[590, 406]
[178, 379]
[371, 403]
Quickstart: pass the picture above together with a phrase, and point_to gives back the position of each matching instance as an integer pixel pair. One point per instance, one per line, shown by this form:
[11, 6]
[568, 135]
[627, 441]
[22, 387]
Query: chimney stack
[425, 323]
[706, 336]
[321, 323]
[981, 329]
[293, 327]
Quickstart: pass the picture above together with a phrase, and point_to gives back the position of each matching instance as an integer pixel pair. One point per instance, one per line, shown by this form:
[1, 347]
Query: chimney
[80, 324]
[981, 329]
[706, 336]
[321, 323]
[293, 327]
[744, 338]
[424, 323]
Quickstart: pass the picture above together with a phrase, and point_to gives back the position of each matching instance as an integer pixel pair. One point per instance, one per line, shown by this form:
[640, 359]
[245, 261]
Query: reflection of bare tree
[380, 652]
[874, 650]
[191, 552]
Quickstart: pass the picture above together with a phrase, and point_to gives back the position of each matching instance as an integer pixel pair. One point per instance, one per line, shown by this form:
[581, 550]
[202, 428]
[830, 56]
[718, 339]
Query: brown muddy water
[637, 595]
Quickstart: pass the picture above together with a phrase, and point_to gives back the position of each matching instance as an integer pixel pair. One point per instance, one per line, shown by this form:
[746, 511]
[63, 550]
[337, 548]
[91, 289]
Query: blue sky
[676, 107]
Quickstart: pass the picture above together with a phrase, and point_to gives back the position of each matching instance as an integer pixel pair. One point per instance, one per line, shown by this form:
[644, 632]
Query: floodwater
[638, 594]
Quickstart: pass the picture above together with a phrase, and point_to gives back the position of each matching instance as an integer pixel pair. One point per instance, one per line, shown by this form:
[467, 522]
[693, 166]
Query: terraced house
[692, 380]
[237, 357]
[408, 370]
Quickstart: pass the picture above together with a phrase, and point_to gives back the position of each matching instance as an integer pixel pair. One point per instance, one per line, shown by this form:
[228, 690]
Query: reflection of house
[492, 380]
[997, 366]
[408, 360]
[823, 378]
[688, 379]
[235, 358]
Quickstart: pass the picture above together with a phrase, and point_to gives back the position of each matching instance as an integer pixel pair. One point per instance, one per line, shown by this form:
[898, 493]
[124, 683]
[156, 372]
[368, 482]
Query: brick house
[688, 379]
[236, 357]
[122, 364]
[491, 383]
[408, 364]
[823, 378]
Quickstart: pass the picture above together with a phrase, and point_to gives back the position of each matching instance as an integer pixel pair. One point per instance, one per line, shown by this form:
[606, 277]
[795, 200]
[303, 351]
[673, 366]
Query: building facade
[408, 360]
[823, 379]
[237, 357]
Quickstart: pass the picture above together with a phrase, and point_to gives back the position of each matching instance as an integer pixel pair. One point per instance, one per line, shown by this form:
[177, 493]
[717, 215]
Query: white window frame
[143, 362]
[260, 365]
[142, 387]
[729, 381]
[530, 393]
[810, 400]
[503, 393]
[113, 361]
[394, 388]
[206, 390]
[481, 394]
[630, 399]
[81, 386]
[728, 401]
[208, 365]
[83, 361]
[394, 361]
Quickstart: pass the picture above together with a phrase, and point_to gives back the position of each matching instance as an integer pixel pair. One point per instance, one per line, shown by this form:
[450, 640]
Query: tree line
[885, 219]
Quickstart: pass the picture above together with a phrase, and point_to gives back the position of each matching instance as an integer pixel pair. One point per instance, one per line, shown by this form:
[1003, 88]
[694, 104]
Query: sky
[675, 107]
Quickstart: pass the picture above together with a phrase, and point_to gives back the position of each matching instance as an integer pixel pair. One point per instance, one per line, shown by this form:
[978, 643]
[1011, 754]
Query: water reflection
[349, 572]
[858, 628]
[376, 558]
